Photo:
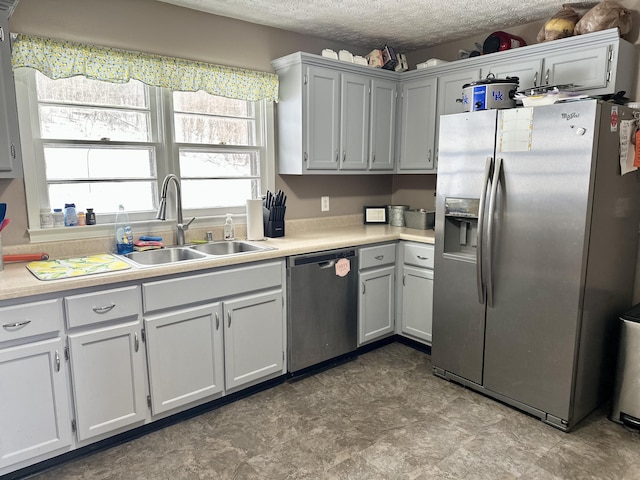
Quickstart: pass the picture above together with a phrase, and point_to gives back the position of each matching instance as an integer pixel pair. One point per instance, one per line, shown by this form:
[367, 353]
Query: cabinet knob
[229, 318]
[136, 341]
[57, 361]
[217, 321]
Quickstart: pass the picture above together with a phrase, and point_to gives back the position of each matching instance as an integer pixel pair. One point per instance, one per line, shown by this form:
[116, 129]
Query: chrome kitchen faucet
[162, 208]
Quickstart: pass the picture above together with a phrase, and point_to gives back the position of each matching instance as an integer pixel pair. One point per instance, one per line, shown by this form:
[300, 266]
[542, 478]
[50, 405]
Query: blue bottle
[70, 215]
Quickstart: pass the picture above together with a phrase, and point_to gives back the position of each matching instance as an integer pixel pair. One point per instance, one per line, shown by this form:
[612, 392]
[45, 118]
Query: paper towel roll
[255, 227]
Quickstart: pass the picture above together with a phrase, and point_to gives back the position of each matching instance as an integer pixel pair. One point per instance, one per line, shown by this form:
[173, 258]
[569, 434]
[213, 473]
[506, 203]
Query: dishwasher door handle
[328, 264]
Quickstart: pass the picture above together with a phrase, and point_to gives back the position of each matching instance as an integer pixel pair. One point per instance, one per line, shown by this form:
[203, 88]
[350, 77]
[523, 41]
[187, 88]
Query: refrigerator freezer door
[467, 140]
[541, 225]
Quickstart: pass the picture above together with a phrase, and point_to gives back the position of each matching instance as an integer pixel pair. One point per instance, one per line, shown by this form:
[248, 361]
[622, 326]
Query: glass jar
[81, 219]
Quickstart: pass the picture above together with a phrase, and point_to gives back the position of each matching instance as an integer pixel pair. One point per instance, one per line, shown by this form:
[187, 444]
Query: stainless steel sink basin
[228, 248]
[163, 256]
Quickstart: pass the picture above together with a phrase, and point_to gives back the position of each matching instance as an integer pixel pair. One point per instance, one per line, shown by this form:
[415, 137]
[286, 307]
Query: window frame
[167, 161]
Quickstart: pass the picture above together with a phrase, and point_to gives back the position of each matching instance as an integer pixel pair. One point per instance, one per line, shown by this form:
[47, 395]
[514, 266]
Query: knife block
[272, 228]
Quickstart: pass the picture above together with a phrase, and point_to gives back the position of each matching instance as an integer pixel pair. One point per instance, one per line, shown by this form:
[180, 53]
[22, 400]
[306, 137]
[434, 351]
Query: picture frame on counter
[373, 215]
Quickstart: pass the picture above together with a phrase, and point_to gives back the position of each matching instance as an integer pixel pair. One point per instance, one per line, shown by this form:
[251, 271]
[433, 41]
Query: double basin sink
[163, 256]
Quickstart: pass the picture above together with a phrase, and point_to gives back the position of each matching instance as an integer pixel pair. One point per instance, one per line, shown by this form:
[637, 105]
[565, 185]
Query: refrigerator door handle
[490, 228]
[486, 178]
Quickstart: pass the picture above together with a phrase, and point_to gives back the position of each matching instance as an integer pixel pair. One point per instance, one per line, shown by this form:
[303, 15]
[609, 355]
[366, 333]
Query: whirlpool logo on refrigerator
[570, 116]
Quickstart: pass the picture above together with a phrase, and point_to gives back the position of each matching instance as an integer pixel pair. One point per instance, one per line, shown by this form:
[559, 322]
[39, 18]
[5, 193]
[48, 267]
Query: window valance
[62, 59]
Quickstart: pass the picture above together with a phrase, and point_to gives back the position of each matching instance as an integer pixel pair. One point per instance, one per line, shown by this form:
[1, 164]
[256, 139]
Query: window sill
[147, 227]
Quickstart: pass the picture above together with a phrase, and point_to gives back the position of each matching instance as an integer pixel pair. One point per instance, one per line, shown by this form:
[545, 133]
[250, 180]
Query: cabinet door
[418, 125]
[253, 342]
[354, 121]
[450, 90]
[185, 356]
[586, 69]
[383, 125]
[528, 72]
[10, 161]
[322, 115]
[417, 302]
[34, 406]
[376, 306]
[107, 371]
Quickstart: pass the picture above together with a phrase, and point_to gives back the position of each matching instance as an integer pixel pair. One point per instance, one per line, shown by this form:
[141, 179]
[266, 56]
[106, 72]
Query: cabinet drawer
[96, 307]
[175, 292]
[418, 255]
[23, 321]
[377, 256]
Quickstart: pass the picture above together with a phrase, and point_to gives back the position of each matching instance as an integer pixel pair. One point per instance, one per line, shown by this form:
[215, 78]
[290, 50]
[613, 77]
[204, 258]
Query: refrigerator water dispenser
[461, 226]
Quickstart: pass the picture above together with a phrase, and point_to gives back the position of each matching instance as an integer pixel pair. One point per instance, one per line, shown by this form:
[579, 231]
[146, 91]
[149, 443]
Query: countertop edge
[17, 282]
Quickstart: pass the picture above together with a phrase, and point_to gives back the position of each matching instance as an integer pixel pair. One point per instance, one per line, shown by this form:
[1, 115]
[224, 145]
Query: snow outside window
[99, 144]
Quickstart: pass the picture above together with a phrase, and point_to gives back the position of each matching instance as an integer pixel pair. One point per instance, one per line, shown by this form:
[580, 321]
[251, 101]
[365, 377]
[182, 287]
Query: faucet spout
[181, 227]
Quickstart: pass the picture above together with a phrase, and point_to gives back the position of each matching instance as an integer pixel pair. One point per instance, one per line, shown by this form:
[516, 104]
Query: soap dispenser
[229, 229]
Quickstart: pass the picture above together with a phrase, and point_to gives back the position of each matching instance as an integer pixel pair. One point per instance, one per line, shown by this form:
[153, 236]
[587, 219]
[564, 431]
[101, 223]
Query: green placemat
[76, 267]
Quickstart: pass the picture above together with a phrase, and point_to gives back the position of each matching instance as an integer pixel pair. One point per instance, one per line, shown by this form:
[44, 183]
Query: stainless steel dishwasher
[323, 307]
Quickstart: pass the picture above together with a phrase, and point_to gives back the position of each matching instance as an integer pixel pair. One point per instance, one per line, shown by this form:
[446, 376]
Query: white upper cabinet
[417, 126]
[322, 116]
[10, 152]
[334, 117]
[384, 94]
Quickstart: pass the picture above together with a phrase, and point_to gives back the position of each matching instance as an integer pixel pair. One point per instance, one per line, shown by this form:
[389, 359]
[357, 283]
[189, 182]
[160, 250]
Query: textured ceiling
[404, 24]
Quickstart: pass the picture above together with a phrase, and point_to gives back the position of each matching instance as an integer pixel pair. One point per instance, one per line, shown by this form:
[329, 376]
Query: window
[101, 144]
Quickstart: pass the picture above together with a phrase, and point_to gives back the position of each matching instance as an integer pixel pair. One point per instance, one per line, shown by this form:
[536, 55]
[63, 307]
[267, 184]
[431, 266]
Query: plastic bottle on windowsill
[229, 229]
[124, 232]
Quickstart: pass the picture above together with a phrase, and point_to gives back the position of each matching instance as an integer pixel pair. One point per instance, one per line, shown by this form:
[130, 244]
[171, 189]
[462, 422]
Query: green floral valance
[62, 59]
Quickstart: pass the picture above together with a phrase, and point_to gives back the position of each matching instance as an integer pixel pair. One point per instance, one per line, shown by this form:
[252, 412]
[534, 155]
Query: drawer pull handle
[16, 324]
[229, 317]
[136, 341]
[379, 257]
[423, 258]
[217, 321]
[104, 308]
[57, 361]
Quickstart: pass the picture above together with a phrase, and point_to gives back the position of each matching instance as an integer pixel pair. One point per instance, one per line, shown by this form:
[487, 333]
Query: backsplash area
[71, 248]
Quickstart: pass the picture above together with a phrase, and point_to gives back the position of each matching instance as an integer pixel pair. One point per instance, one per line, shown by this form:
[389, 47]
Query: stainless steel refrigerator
[536, 240]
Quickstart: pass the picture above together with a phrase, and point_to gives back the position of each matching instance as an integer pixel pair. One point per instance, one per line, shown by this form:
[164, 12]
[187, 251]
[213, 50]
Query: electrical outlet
[324, 204]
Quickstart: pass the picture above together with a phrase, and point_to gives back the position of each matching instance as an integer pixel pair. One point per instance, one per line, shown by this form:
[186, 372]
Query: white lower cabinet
[185, 356]
[377, 299]
[415, 291]
[35, 421]
[106, 356]
[253, 338]
[214, 333]
[34, 405]
[107, 371]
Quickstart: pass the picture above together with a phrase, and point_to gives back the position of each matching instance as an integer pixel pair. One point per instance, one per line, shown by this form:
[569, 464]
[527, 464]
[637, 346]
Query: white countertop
[16, 281]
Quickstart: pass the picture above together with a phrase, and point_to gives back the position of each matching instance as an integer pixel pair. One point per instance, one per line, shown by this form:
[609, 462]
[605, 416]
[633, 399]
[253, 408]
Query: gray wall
[160, 28]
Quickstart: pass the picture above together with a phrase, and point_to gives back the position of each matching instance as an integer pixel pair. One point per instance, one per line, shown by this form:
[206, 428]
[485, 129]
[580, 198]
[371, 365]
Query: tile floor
[381, 416]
